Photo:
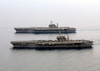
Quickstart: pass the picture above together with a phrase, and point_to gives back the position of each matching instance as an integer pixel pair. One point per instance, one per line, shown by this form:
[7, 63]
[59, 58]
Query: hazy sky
[20, 13]
[51, 1]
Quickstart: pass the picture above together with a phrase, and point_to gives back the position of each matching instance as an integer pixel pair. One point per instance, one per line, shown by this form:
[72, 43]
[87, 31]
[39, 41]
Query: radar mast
[67, 37]
[51, 22]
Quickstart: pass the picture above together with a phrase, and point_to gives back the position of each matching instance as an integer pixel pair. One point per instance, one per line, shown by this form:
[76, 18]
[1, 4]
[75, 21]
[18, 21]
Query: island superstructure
[52, 28]
[60, 42]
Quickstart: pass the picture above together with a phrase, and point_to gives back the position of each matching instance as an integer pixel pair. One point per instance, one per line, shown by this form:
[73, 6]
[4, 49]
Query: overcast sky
[40, 12]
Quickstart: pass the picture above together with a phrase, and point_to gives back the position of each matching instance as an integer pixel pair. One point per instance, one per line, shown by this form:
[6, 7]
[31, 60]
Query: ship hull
[33, 46]
[43, 31]
[60, 43]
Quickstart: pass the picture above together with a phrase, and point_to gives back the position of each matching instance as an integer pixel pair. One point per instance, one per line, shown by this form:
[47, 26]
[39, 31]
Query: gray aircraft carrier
[41, 30]
[60, 42]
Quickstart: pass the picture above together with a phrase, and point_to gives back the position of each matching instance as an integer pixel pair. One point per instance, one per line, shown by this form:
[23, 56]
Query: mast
[51, 22]
[67, 37]
[57, 25]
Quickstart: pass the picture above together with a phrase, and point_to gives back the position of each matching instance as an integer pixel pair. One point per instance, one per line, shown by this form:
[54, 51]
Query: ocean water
[84, 16]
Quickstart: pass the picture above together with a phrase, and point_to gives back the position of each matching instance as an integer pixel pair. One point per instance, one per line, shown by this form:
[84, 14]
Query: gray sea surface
[84, 16]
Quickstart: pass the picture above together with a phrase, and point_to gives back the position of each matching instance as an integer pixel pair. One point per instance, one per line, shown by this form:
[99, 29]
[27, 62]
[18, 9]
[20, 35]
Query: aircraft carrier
[60, 42]
[52, 28]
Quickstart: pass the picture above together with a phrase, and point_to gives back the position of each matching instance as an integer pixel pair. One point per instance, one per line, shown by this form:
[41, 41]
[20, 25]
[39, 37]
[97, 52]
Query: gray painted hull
[44, 31]
[33, 46]
[52, 44]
